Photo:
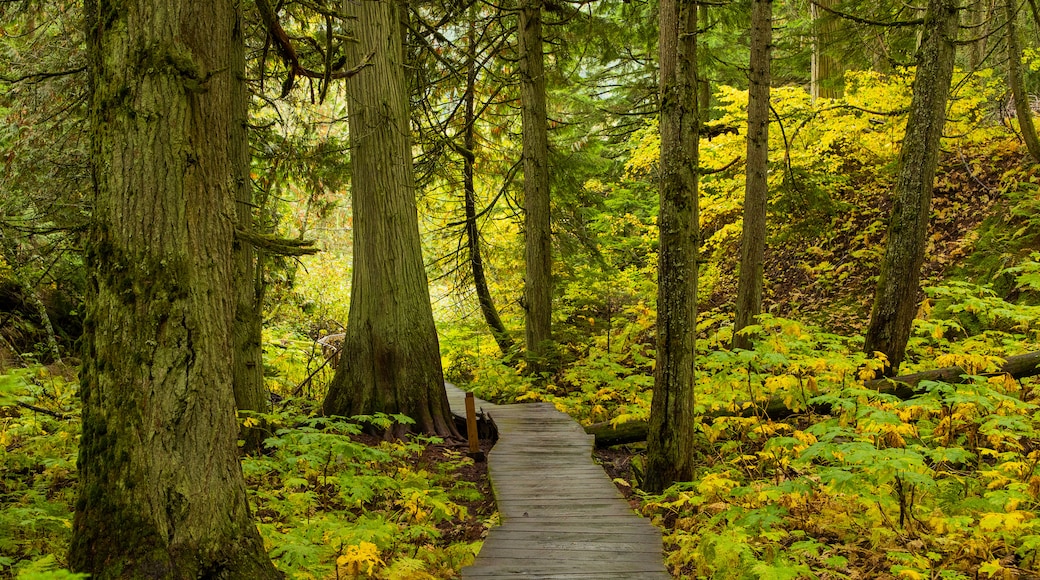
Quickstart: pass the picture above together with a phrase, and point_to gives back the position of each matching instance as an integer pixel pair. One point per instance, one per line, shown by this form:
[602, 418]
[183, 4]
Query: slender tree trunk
[250, 392]
[161, 489]
[537, 229]
[390, 359]
[1018, 84]
[703, 83]
[827, 72]
[895, 302]
[487, 304]
[756, 184]
[672, 423]
[30, 295]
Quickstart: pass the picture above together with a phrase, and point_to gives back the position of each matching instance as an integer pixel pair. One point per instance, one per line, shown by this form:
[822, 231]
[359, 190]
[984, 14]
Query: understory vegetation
[329, 500]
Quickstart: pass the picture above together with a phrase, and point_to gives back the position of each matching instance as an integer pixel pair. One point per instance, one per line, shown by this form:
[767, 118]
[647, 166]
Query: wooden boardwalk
[561, 515]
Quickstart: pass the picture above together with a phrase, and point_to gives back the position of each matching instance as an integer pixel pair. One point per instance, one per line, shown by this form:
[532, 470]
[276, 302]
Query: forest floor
[472, 527]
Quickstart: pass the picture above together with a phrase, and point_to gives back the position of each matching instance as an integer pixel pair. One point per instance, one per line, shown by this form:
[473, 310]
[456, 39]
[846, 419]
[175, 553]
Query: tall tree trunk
[390, 359]
[250, 392]
[756, 185]
[895, 302]
[476, 261]
[161, 489]
[703, 83]
[537, 229]
[1018, 84]
[827, 72]
[672, 426]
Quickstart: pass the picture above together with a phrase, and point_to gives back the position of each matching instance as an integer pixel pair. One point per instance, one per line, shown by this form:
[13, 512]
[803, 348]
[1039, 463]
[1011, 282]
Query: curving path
[561, 515]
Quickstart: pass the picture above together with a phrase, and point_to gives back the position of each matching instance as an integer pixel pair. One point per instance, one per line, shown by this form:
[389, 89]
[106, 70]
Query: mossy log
[904, 387]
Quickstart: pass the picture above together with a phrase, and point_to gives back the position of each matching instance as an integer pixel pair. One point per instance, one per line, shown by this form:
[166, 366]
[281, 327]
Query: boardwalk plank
[562, 517]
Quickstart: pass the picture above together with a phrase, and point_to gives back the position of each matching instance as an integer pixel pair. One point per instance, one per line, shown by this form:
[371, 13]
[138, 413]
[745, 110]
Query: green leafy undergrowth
[39, 437]
[330, 501]
[940, 486]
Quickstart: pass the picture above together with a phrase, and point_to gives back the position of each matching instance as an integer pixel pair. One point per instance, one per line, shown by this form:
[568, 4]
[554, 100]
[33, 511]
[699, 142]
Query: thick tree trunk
[672, 422]
[827, 72]
[904, 387]
[1018, 84]
[161, 488]
[537, 228]
[756, 184]
[390, 359]
[250, 392]
[476, 261]
[895, 302]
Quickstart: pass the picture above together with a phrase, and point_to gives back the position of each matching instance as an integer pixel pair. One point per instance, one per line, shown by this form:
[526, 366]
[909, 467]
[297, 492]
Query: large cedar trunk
[537, 232]
[161, 489]
[895, 302]
[390, 360]
[756, 184]
[672, 423]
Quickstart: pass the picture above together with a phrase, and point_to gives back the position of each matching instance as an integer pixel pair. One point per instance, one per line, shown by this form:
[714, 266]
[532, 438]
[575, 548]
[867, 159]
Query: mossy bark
[248, 373]
[896, 300]
[1017, 82]
[537, 228]
[161, 488]
[672, 422]
[756, 182]
[390, 359]
[827, 73]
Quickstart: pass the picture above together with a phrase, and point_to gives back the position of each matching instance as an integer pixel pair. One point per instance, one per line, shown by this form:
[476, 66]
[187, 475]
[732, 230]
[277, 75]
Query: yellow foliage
[716, 484]
[364, 556]
[994, 521]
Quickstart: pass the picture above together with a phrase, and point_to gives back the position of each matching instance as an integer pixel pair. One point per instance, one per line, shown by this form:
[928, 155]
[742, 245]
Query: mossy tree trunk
[827, 73]
[896, 299]
[672, 423]
[250, 392]
[756, 183]
[161, 489]
[537, 228]
[390, 359]
[1017, 82]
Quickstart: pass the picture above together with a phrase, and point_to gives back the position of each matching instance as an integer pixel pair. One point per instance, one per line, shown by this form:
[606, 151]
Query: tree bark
[390, 359]
[161, 489]
[537, 228]
[896, 299]
[247, 356]
[827, 73]
[487, 303]
[672, 422]
[1017, 82]
[756, 184]
[905, 387]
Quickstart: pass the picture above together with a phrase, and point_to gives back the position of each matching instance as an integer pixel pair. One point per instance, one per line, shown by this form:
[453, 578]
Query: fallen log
[904, 387]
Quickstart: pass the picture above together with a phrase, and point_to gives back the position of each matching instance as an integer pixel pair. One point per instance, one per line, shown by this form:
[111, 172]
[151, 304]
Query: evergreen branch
[868, 21]
[40, 76]
[277, 245]
[288, 53]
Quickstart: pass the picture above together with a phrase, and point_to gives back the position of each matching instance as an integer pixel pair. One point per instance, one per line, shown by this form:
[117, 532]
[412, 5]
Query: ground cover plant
[330, 501]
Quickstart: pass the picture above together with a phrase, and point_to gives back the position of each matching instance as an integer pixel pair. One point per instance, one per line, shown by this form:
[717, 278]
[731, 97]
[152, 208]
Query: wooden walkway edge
[561, 515]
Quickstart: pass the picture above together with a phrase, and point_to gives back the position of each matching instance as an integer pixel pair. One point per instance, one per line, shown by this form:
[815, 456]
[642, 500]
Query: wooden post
[471, 424]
